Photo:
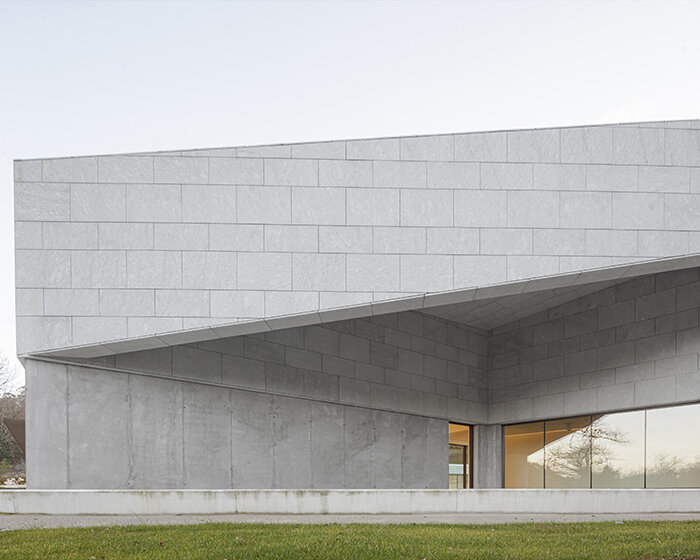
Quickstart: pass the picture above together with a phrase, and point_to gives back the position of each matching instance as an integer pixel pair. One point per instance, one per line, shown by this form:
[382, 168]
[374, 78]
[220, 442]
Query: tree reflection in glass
[607, 451]
[618, 450]
[567, 453]
[673, 447]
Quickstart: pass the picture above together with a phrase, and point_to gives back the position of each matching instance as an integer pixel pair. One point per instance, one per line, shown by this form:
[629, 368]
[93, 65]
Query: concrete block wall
[633, 345]
[114, 247]
[355, 404]
[405, 362]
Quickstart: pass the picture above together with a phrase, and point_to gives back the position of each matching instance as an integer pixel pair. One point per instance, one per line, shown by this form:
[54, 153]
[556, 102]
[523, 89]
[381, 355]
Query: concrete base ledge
[203, 502]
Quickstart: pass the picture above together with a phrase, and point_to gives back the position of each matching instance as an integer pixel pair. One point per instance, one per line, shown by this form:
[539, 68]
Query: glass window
[460, 442]
[524, 452]
[618, 450]
[458, 466]
[656, 448]
[673, 447]
[567, 453]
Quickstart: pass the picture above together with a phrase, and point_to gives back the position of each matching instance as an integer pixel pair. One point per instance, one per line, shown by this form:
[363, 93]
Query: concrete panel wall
[633, 345]
[123, 246]
[47, 424]
[107, 429]
[488, 456]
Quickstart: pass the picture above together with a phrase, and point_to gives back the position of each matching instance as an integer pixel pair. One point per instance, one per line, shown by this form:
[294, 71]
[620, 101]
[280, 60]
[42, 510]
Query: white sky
[100, 77]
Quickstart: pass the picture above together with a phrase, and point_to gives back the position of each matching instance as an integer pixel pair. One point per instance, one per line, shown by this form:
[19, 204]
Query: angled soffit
[484, 307]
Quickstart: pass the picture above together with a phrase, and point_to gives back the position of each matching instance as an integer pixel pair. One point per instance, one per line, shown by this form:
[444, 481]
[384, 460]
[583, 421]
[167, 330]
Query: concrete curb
[208, 502]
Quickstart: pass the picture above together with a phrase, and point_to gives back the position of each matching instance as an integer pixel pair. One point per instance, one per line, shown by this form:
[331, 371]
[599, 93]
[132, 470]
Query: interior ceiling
[495, 312]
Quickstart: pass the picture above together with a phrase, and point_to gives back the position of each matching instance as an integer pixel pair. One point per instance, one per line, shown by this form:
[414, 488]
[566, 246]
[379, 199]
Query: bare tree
[10, 374]
[12, 407]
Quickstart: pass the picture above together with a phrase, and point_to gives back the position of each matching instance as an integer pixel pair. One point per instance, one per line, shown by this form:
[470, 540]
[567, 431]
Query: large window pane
[567, 453]
[618, 450]
[657, 448]
[673, 447]
[524, 445]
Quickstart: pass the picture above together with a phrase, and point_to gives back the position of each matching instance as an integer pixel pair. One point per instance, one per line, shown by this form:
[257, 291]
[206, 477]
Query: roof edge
[411, 303]
[325, 141]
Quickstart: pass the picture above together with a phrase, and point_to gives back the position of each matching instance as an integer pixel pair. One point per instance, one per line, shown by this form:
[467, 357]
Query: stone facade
[313, 315]
[114, 247]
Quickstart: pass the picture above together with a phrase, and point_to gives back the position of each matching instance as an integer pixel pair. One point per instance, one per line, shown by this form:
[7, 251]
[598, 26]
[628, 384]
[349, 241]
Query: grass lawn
[631, 540]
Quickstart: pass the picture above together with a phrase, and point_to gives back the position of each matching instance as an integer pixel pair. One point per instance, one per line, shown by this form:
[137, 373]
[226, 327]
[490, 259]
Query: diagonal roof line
[424, 301]
[185, 151]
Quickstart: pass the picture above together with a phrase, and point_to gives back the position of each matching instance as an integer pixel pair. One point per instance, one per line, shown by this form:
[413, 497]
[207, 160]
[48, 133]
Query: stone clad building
[496, 309]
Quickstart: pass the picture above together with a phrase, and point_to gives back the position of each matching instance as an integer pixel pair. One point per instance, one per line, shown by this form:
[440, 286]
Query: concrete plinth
[173, 502]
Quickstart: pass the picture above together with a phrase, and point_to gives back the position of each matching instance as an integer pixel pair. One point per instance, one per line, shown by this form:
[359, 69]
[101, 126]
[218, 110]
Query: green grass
[575, 541]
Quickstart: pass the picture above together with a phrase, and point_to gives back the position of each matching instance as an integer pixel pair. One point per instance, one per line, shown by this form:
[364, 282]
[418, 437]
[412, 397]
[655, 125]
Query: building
[515, 308]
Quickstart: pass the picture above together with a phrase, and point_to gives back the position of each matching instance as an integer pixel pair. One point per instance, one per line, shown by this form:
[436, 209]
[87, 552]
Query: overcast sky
[99, 77]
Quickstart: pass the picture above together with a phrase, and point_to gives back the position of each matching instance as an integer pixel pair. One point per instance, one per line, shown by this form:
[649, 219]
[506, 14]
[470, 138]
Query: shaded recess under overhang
[484, 307]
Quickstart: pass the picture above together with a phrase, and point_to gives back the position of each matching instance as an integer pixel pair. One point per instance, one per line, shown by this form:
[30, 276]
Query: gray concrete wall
[369, 397]
[114, 247]
[354, 404]
[115, 430]
[488, 456]
[634, 345]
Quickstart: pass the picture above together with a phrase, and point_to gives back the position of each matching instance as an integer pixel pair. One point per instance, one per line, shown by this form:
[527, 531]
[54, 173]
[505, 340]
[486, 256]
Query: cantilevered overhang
[485, 307]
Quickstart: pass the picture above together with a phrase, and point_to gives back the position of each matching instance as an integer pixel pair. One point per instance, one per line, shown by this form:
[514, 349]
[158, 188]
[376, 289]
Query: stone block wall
[633, 345]
[408, 362]
[122, 246]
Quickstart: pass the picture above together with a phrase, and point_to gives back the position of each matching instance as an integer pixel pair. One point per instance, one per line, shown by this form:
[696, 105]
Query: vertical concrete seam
[184, 443]
[230, 433]
[70, 203]
[130, 434]
[67, 411]
[274, 441]
[559, 146]
[664, 141]
[311, 470]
